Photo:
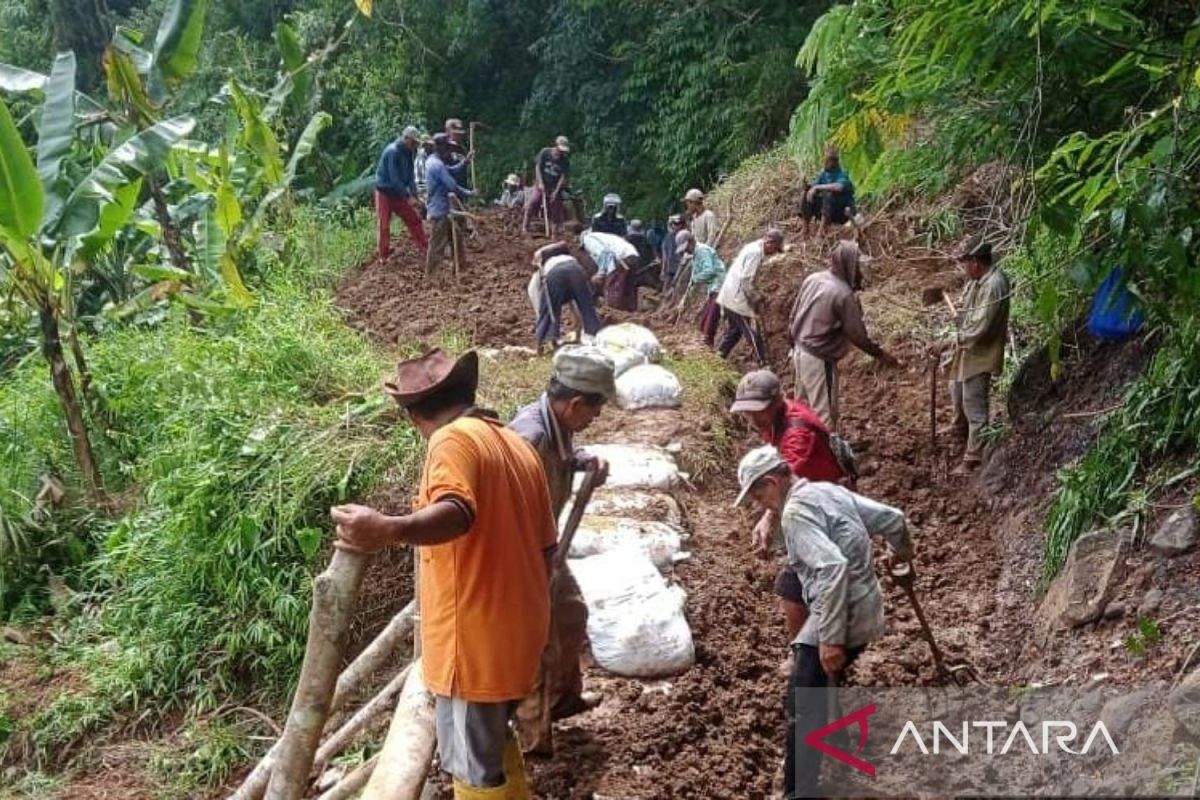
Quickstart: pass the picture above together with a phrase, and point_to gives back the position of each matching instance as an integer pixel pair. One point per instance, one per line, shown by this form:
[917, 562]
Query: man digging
[440, 186]
[580, 385]
[559, 282]
[827, 531]
[741, 302]
[485, 531]
[396, 192]
[978, 347]
[551, 178]
[826, 321]
[802, 440]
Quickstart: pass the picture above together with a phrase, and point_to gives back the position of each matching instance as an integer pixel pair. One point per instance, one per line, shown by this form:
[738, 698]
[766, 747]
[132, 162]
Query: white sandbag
[630, 503]
[633, 337]
[649, 386]
[624, 358]
[659, 541]
[636, 466]
[636, 625]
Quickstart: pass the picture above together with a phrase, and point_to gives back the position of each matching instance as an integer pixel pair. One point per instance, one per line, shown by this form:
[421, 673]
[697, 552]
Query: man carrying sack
[581, 384]
[483, 523]
[827, 531]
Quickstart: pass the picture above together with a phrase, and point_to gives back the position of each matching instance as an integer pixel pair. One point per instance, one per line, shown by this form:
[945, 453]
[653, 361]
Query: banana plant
[48, 220]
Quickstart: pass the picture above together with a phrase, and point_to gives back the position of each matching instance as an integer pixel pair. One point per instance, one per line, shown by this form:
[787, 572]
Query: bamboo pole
[334, 593]
[407, 752]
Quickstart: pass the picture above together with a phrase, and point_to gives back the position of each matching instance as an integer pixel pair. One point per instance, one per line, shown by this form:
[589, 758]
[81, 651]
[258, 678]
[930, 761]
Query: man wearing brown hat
[826, 321]
[803, 442]
[580, 386]
[483, 523]
[978, 347]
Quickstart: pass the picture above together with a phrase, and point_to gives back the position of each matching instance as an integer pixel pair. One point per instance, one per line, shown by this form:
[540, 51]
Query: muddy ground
[717, 730]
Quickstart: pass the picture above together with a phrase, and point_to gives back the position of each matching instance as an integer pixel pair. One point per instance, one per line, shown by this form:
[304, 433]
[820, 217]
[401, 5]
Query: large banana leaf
[177, 45]
[56, 127]
[216, 259]
[18, 80]
[294, 64]
[112, 218]
[134, 157]
[304, 146]
[22, 200]
[126, 86]
[257, 135]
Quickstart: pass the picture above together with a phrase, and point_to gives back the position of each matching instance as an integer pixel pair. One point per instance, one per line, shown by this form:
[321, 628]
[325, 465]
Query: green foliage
[1144, 638]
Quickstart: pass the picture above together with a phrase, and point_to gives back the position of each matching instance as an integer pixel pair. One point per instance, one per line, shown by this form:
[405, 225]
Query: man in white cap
[609, 219]
[617, 264]
[741, 302]
[580, 386]
[396, 192]
[513, 193]
[551, 177]
[826, 321]
[702, 222]
[827, 531]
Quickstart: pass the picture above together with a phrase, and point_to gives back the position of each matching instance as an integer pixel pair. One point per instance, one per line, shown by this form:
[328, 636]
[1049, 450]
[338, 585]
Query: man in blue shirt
[831, 196]
[396, 192]
[440, 184]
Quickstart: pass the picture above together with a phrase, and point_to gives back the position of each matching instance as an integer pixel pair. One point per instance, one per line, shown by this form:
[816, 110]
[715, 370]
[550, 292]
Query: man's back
[484, 595]
[802, 439]
[819, 320]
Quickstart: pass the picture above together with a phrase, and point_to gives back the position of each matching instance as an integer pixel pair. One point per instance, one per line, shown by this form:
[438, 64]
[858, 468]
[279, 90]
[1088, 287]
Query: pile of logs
[298, 759]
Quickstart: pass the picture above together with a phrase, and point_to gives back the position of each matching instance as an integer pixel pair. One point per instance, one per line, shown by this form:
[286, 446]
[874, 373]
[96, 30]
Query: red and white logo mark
[817, 739]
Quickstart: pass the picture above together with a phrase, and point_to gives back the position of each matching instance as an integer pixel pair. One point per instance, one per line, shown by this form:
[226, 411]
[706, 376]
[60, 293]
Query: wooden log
[374, 656]
[377, 705]
[334, 593]
[368, 662]
[348, 786]
[407, 752]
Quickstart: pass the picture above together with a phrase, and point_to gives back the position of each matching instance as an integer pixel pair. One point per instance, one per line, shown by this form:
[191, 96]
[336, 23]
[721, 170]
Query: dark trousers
[832, 207]
[806, 712]
[710, 319]
[567, 283]
[737, 327]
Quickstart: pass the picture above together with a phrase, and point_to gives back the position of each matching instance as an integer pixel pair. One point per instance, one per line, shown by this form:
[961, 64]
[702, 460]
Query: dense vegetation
[177, 198]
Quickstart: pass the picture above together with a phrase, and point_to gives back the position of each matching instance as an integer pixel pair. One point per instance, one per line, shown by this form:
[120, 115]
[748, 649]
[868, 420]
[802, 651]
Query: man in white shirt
[702, 222]
[616, 262]
[740, 301]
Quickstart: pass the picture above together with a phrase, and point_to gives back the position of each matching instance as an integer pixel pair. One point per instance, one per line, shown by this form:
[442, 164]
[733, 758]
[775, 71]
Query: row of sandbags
[630, 537]
[641, 381]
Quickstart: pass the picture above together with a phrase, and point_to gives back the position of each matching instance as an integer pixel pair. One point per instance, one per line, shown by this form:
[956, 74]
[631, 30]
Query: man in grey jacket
[827, 531]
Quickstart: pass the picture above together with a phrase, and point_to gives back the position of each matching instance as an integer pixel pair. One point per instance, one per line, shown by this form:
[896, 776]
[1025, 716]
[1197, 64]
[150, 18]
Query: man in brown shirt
[978, 345]
[826, 321]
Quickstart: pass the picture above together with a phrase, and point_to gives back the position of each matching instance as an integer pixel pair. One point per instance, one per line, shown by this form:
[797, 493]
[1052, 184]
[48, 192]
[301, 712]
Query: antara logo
[1064, 733]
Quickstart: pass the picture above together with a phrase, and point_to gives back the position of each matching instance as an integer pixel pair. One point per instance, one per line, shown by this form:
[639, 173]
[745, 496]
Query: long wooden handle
[591, 479]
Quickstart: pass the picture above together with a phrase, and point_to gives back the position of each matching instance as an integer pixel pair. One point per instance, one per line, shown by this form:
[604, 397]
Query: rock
[1114, 611]
[1184, 702]
[1177, 533]
[1120, 712]
[1150, 604]
[1082, 590]
[10, 634]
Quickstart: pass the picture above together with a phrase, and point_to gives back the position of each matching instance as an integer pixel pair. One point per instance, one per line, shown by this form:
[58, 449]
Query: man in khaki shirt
[978, 345]
[702, 222]
[826, 321]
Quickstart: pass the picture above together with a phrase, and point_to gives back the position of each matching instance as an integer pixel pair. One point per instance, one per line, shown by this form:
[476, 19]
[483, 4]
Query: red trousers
[385, 207]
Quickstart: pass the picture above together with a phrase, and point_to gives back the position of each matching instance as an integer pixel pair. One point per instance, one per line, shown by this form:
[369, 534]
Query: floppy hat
[418, 378]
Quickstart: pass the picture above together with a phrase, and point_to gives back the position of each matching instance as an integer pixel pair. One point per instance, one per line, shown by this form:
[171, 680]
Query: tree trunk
[334, 593]
[407, 752]
[361, 719]
[171, 237]
[64, 386]
[82, 26]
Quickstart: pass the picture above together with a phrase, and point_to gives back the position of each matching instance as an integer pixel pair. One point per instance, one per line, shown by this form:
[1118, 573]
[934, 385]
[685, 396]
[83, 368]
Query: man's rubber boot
[465, 791]
[517, 781]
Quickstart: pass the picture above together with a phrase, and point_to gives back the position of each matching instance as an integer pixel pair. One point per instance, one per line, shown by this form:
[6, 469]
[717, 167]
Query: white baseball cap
[754, 465]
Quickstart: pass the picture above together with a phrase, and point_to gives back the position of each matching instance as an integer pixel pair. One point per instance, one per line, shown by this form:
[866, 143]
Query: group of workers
[503, 623]
[424, 177]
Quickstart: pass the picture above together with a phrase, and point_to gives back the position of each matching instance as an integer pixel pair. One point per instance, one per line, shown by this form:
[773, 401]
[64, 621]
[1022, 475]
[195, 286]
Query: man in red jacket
[802, 439]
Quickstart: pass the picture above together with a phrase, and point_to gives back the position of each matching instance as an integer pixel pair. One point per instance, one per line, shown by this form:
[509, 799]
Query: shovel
[960, 672]
[591, 479]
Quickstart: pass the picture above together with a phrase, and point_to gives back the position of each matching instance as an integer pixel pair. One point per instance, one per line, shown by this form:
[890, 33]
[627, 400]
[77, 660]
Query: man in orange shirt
[483, 523]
